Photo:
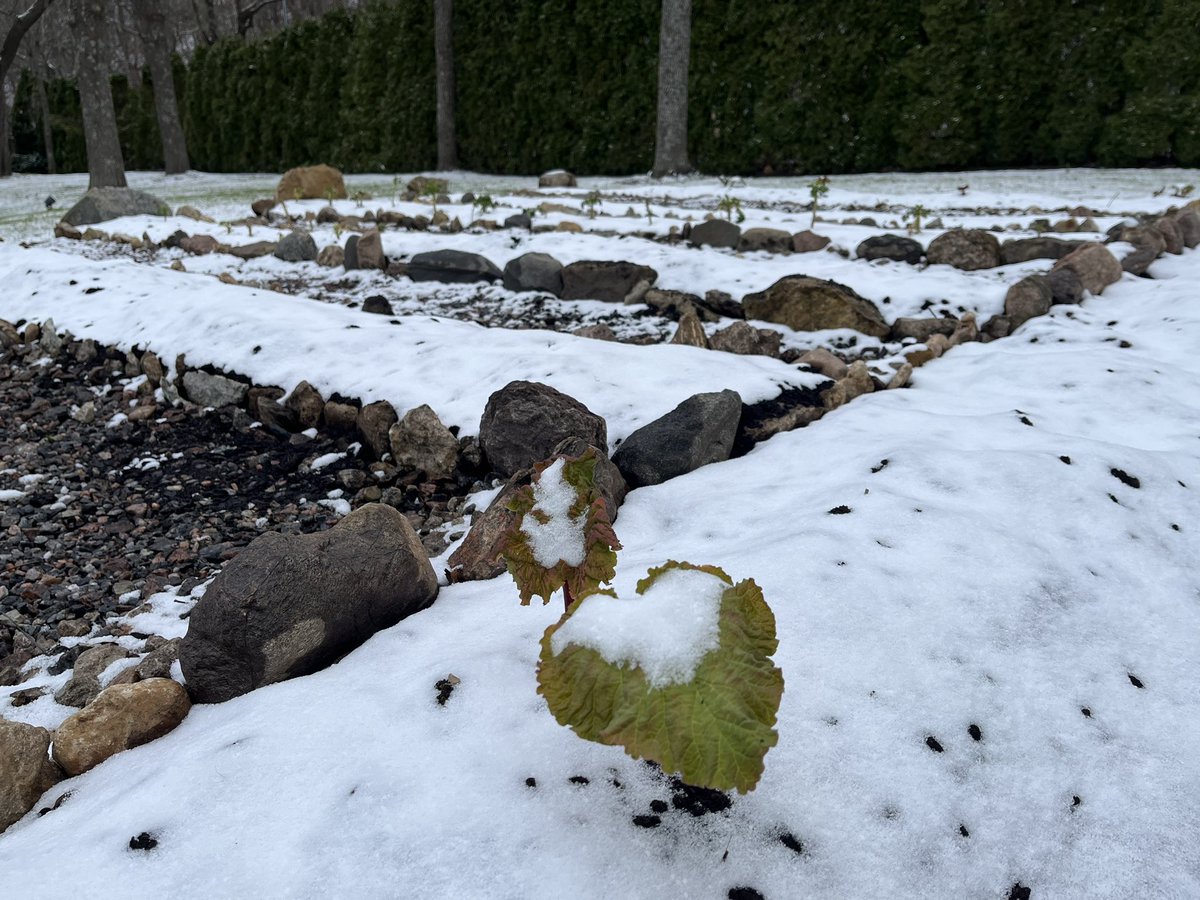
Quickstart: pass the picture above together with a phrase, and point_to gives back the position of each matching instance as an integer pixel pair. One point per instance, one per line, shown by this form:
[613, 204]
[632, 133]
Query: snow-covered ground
[998, 574]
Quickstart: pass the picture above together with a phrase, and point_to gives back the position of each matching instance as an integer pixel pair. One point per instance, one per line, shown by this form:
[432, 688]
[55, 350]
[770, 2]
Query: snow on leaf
[564, 537]
[714, 730]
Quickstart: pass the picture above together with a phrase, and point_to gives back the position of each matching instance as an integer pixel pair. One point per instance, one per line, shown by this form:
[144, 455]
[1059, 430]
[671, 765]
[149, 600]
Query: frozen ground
[990, 660]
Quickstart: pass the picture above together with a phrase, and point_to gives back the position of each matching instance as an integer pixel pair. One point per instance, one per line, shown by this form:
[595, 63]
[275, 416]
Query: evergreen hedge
[821, 86]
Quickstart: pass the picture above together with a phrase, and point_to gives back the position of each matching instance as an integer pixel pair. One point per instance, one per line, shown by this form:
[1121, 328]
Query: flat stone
[699, 431]
[813, 304]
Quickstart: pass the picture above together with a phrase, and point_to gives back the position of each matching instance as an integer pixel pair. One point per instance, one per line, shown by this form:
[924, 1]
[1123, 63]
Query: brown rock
[824, 362]
[1188, 222]
[260, 208]
[421, 441]
[744, 338]
[1028, 298]
[690, 332]
[997, 327]
[26, 771]
[199, 244]
[310, 183]
[85, 679]
[341, 417]
[965, 331]
[902, 376]
[374, 422]
[772, 240]
[921, 328]
[122, 717]
[857, 382]
[524, 421]
[251, 251]
[968, 249]
[332, 256]
[1096, 267]
[597, 332]
[306, 404]
[809, 242]
[370, 251]
[813, 304]
[1171, 235]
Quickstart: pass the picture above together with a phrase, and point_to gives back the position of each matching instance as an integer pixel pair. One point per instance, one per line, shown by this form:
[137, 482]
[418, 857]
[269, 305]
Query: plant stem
[567, 598]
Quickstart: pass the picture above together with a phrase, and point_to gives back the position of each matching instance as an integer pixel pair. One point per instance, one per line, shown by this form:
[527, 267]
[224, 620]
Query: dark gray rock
[744, 338]
[102, 204]
[534, 272]
[1025, 249]
[1065, 286]
[723, 304]
[968, 249]
[518, 220]
[1026, 299]
[524, 421]
[608, 281]
[768, 240]
[699, 431]
[715, 233]
[374, 422]
[297, 246]
[891, 246]
[350, 253]
[377, 305]
[289, 605]
[452, 267]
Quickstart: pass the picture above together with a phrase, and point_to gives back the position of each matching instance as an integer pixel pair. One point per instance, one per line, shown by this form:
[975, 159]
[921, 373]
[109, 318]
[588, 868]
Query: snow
[561, 537]
[665, 632]
[325, 459]
[979, 579]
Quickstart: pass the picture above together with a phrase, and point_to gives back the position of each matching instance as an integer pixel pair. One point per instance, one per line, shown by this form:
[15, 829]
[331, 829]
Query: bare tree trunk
[443, 46]
[47, 125]
[8, 54]
[206, 20]
[674, 50]
[152, 25]
[106, 165]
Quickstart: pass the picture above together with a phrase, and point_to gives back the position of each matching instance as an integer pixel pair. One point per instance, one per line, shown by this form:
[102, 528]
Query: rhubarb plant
[679, 673]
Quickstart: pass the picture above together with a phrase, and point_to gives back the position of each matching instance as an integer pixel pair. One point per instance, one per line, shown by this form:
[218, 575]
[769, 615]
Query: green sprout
[591, 203]
[914, 216]
[817, 189]
[731, 206]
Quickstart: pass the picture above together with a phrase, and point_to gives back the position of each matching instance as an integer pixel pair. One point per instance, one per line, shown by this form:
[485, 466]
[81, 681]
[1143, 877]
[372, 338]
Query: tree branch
[245, 17]
[21, 24]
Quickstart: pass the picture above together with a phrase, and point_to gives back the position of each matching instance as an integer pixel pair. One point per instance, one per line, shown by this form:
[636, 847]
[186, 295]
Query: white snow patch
[324, 460]
[665, 632]
[560, 538]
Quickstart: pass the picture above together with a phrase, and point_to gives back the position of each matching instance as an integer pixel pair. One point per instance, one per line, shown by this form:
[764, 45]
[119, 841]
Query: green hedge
[819, 86]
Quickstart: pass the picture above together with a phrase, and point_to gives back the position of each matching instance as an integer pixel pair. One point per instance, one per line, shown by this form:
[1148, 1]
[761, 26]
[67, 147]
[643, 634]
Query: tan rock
[370, 251]
[311, 183]
[569, 227]
[85, 679]
[902, 377]
[1096, 267]
[332, 256]
[823, 361]
[813, 304]
[965, 331]
[122, 717]
[190, 212]
[690, 332]
[809, 242]
[421, 441]
[857, 382]
[26, 770]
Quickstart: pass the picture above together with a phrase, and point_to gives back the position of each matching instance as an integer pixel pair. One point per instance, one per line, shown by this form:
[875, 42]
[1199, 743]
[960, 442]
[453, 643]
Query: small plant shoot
[680, 673]
[818, 189]
[731, 206]
[591, 203]
[914, 218]
[564, 537]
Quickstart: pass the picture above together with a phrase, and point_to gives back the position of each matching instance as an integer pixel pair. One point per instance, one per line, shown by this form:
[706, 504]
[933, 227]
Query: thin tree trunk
[206, 22]
[106, 165]
[47, 125]
[152, 26]
[674, 50]
[8, 54]
[443, 45]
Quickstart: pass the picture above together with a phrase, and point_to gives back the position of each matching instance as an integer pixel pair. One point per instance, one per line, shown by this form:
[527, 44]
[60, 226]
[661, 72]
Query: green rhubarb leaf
[714, 729]
[588, 514]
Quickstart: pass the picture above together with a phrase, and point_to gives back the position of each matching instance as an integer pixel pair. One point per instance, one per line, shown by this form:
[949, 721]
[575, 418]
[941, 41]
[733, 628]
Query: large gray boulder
[968, 249]
[534, 272]
[524, 421]
[715, 233]
[297, 246]
[813, 304]
[699, 431]
[289, 605]
[478, 557]
[450, 266]
[26, 770]
[102, 204]
[602, 280]
[890, 246]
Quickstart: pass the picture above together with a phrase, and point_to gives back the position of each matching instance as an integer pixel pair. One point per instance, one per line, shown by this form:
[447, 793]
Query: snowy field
[991, 661]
